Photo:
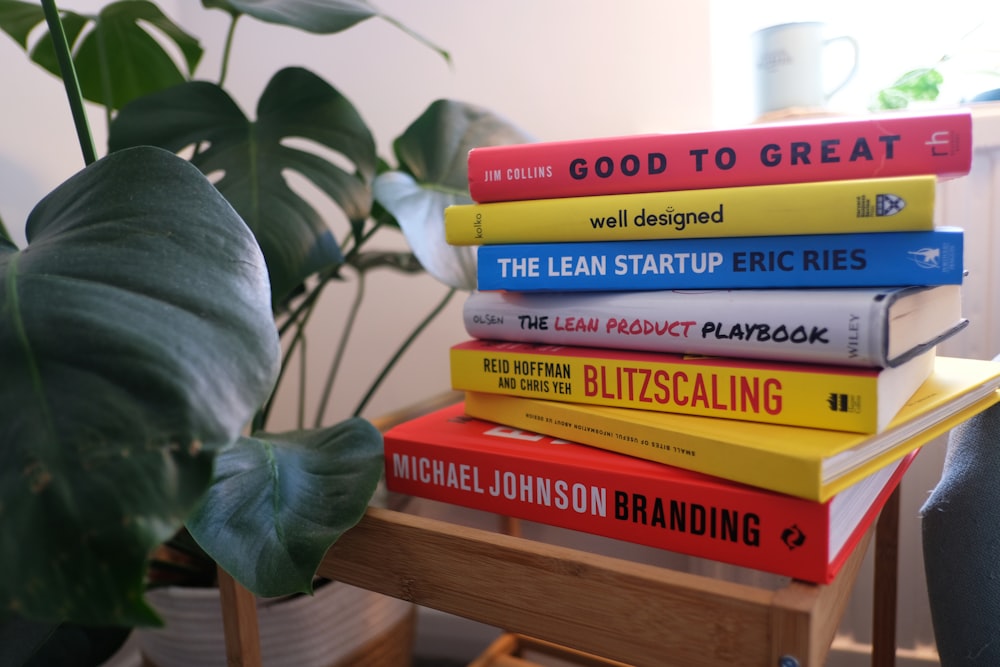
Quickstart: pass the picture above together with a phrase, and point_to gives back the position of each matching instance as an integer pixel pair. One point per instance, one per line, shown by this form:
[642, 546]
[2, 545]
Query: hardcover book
[450, 457]
[842, 398]
[857, 326]
[826, 149]
[826, 207]
[877, 259]
[809, 463]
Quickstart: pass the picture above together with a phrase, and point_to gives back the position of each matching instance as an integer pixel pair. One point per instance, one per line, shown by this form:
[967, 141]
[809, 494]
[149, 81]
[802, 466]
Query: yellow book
[842, 398]
[809, 463]
[823, 207]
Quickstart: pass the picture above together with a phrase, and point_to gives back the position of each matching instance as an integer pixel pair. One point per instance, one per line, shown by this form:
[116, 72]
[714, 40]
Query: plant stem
[228, 49]
[403, 348]
[104, 68]
[300, 417]
[70, 81]
[304, 306]
[298, 319]
[331, 374]
[444, 54]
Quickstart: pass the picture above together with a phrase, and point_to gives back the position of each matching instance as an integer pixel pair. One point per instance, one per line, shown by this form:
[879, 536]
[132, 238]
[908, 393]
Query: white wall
[558, 69]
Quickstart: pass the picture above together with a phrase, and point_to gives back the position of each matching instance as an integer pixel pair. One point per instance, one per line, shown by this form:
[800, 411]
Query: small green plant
[919, 85]
[971, 66]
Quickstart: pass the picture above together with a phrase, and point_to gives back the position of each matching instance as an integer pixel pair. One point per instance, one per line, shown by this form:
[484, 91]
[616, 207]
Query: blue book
[877, 259]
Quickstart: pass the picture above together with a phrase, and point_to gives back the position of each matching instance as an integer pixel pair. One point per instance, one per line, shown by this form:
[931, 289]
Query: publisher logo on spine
[843, 402]
[793, 537]
[943, 143]
[926, 258]
[885, 204]
[888, 204]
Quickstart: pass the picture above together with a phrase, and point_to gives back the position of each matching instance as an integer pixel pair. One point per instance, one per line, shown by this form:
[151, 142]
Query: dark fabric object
[961, 542]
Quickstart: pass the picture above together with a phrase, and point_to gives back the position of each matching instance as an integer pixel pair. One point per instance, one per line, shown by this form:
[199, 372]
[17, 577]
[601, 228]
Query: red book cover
[825, 149]
[449, 457]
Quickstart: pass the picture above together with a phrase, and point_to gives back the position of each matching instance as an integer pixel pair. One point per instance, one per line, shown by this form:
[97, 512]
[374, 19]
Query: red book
[449, 457]
[825, 149]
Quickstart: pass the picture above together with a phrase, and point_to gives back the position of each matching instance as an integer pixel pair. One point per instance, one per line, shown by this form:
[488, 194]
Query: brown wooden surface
[239, 622]
[630, 612]
[886, 584]
[806, 616]
[635, 613]
[423, 407]
[510, 650]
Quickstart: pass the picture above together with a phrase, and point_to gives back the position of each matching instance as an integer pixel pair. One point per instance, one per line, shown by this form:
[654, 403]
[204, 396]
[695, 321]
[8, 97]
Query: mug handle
[854, 66]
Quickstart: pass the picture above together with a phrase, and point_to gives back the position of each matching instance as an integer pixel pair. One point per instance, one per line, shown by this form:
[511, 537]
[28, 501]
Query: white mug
[789, 60]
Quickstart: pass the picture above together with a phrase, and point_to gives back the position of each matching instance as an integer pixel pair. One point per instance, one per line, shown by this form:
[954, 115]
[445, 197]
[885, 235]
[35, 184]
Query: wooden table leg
[885, 584]
[239, 621]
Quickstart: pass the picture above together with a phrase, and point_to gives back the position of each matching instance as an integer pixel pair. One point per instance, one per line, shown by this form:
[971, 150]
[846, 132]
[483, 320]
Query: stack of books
[720, 343]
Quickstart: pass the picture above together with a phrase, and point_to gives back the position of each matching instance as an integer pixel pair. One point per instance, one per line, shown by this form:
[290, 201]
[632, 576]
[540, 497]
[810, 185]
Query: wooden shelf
[626, 612]
[634, 613]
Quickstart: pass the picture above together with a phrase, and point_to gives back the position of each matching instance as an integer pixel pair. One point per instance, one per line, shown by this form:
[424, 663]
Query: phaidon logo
[888, 204]
[885, 204]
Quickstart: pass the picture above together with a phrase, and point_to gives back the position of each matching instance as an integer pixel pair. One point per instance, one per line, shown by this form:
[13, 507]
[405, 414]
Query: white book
[870, 327]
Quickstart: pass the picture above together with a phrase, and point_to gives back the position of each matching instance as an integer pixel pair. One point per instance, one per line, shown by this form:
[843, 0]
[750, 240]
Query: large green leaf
[435, 147]
[432, 153]
[136, 339]
[420, 213]
[117, 54]
[278, 502]
[18, 19]
[318, 16]
[5, 235]
[249, 159]
[34, 644]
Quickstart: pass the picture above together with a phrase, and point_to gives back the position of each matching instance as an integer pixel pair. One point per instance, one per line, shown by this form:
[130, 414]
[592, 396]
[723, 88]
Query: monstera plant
[146, 324]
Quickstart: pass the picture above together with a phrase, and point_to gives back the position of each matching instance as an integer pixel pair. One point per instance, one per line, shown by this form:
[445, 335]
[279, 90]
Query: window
[894, 37]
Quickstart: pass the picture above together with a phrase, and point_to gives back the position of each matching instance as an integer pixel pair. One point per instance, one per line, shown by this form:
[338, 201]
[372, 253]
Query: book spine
[828, 207]
[828, 397]
[845, 327]
[737, 524]
[825, 260]
[797, 476]
[879, 146]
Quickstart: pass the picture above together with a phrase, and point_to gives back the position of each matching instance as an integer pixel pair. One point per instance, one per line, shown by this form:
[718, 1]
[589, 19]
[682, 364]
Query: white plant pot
[323, 630]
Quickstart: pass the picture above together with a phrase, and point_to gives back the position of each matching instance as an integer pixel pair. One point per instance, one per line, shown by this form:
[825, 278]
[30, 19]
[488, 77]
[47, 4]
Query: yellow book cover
[823, 207]
[814, 464]
[798, 394]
